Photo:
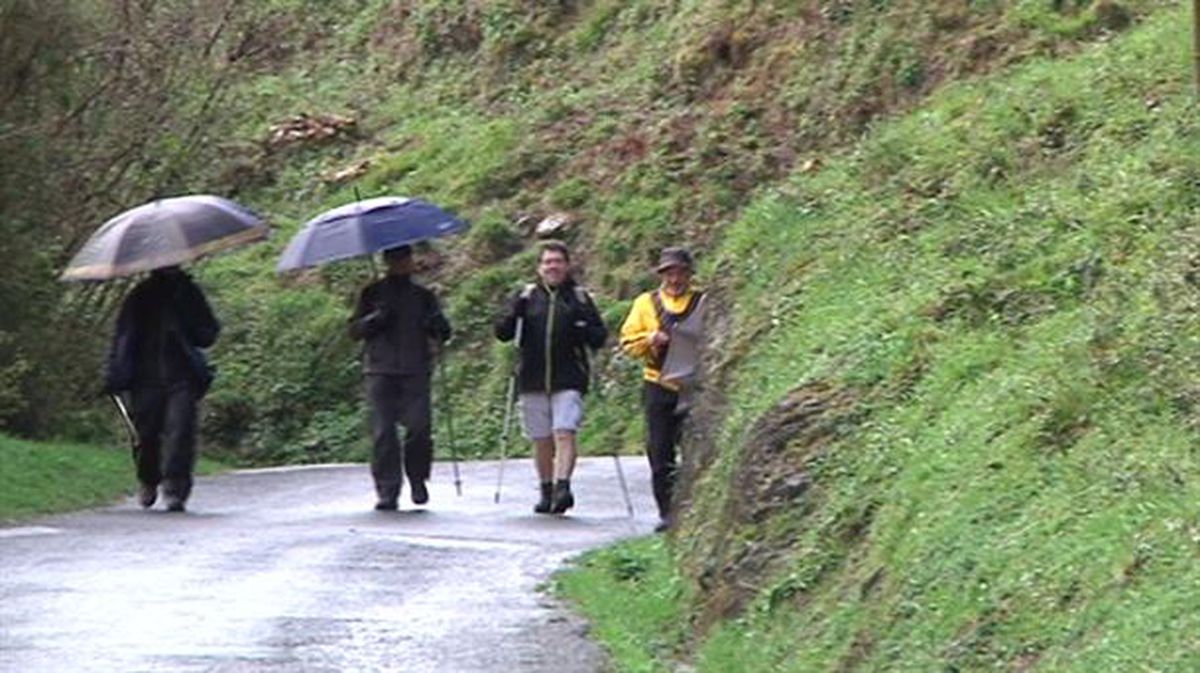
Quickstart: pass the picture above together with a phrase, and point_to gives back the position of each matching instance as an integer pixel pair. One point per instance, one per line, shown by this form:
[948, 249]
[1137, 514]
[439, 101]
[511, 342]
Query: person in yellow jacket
[647, 334]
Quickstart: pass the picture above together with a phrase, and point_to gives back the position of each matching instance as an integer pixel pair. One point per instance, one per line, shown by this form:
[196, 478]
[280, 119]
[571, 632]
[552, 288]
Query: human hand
[520, 305]
[659, 339]
[378, 318]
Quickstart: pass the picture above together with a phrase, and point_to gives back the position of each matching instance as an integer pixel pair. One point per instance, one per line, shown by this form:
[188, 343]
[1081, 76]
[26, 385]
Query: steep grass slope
[952, 413]
[644, 122]
[960, 384]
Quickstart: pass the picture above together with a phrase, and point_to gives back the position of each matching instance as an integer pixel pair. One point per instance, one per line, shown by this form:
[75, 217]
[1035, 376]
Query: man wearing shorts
[555, 322]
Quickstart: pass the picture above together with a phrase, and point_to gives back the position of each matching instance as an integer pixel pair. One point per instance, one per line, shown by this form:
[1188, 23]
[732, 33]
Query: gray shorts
[543, 414]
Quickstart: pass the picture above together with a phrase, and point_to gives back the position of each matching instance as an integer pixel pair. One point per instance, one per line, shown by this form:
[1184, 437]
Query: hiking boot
[562, 500]
[664, 525]
[420, 494]
[543, 505]
[175, 504]
[387, 498]
[147, 494]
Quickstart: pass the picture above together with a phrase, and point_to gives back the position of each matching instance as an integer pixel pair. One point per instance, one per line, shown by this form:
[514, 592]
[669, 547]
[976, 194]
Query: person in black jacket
[555, 322]
[400, 322]
[156, 358]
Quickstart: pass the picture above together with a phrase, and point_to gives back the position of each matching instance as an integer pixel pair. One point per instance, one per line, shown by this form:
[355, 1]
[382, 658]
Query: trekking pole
[624, 486]
[128, 422]
[449, 424]
[615, 454]
[510, 401]
[508, 407]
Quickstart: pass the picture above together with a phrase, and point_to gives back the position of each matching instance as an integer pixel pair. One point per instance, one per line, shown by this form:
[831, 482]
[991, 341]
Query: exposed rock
[350, 172]
[771, 480]
[525, 223]
[554, 224]
[305, 128]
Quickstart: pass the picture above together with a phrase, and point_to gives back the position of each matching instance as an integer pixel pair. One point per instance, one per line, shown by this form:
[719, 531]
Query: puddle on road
[450, 542]
[25, 531]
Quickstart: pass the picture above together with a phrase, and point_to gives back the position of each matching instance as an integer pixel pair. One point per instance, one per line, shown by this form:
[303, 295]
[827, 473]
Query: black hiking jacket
[397, 319]
[163, 323]
[558, 326]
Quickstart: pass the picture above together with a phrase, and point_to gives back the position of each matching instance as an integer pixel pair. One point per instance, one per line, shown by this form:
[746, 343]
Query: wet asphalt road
[291, 570]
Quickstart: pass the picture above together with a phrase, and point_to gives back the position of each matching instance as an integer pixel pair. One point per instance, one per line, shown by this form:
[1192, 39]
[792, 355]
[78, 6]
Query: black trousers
[664, 425]
[405, 400]
[165, 418]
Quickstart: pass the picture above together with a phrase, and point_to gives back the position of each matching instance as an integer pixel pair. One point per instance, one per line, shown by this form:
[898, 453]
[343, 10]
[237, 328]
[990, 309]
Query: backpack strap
[582, 296]
[660, 311]
[667, 319]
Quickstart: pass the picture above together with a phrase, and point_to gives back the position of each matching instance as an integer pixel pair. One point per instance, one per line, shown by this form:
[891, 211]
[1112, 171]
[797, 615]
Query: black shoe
[386, 505]
[543, 505]
[175, 504]
[562, 499]
[147, 494]
[420, 494]
[664, 525]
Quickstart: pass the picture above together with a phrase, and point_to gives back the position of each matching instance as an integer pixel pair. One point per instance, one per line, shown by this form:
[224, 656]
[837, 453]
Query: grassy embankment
[644, 123]
[641, 122]
[48, 477]
[961, 385]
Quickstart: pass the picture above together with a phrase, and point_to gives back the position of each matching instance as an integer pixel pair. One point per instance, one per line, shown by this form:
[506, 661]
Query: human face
[399, 265]
[676, 280]
[552, 267]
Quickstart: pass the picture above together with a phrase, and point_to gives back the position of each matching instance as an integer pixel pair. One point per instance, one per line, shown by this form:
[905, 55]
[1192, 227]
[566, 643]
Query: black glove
[520, 305]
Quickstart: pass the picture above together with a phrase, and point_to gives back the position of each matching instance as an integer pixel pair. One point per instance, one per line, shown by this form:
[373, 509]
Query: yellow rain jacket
[642, 321]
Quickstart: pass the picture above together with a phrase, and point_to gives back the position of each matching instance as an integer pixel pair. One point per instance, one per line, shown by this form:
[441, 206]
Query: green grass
[635, 600]
[588, 108]
[47, 477]
[1003, 279]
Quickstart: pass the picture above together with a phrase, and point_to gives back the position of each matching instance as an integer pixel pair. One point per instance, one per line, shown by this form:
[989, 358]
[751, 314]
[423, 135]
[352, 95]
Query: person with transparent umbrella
[157, 357]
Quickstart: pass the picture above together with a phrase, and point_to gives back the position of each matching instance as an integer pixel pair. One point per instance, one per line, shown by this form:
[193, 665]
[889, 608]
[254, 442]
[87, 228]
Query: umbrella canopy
[163, 233]
[365, 227]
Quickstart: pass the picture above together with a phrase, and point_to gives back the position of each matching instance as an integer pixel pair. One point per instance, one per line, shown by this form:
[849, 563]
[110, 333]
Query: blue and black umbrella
[167, 232]
[366, 227]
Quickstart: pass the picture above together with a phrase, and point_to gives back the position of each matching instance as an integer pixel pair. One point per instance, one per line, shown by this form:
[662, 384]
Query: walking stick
[615, 456]
[449, 424]
[128, 422]
[510, 401]
[624, 486]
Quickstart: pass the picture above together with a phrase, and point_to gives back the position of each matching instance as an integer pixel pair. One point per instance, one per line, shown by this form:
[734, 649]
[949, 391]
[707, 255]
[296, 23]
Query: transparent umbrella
[166, 232]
